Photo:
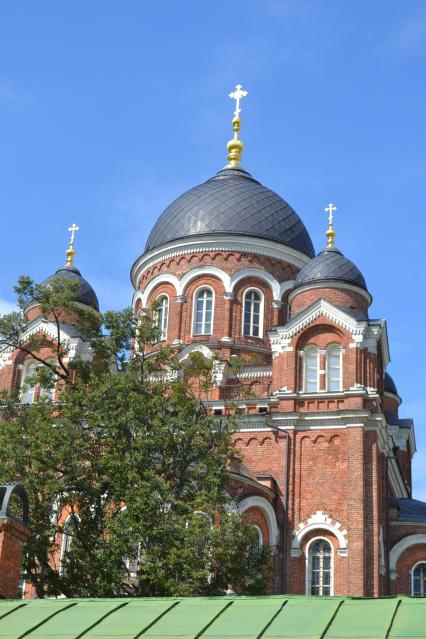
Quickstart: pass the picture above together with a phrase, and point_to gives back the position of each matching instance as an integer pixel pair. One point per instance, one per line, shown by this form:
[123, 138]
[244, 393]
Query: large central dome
[231, 203]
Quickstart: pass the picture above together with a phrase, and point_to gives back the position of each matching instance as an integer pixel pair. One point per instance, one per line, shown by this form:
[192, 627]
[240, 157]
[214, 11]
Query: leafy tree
[129, 451]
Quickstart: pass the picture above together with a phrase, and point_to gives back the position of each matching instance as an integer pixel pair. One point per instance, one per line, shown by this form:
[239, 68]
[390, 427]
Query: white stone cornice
[219, 242]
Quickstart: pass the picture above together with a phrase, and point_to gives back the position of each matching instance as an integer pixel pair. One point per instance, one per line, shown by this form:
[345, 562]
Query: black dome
[330, 264]
[389, 385]
[86, 294]
[232, 203]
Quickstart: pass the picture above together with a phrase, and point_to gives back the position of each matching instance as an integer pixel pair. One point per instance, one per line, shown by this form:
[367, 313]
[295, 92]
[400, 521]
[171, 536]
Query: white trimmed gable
[365, 333]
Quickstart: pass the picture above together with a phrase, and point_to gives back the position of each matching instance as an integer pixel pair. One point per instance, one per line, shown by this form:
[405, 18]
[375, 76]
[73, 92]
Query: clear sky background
[109, 109]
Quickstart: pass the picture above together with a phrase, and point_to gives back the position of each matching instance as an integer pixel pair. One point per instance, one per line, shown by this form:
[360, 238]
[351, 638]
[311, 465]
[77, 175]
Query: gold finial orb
[235, 146]
[331, 233]
[71, 252]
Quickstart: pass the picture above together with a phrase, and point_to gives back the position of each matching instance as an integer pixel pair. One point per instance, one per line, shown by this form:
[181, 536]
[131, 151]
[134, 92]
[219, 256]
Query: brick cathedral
[324, 464]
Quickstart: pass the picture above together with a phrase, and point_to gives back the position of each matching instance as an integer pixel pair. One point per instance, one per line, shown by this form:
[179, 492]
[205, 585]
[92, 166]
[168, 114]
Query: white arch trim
[278, 289]
[255, 501]
[256, 272]
[285, 286]
[400, 546]
[195, 348]
[205, 270]
[319, 521]
[158, 279]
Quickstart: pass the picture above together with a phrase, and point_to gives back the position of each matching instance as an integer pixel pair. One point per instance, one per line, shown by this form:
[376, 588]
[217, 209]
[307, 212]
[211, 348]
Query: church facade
[323, 468]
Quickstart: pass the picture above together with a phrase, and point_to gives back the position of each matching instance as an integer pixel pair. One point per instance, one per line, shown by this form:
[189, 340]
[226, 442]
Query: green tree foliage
[128, 449]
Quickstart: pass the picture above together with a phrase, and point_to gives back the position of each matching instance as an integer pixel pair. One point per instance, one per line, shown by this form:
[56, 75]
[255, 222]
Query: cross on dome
[235, 146]
[237, 95]
[71, 252]
[331, 233]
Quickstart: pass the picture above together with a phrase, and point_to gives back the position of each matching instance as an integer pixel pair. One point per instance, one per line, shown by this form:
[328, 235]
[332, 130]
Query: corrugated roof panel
[245, 618]
[410, 620]
[9, 606]
[25, 618]
[187, 619]
[303, 619]
[363, 619]
[130, 620]
[75, 620]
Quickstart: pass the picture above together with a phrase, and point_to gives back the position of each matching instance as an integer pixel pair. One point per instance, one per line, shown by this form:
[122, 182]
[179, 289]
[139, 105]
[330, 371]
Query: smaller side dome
[389, 385]
[330, 264]
[85, 295]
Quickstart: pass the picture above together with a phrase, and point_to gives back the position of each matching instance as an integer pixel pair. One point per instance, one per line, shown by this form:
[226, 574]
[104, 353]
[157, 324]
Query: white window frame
[259, 534]
[33, 363]
[422, 561]
[308, 566]
[261, 312]
[65, 536]
[308, 347]
[204, 287]
[28, 364]
[329, 346]
[163, 335]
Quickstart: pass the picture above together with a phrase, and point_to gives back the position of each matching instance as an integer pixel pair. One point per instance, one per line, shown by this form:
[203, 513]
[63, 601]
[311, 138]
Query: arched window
[310, 369]
[68, 534]
[319, 577]
[334, 367]
[259, 540]
[203, 312]
[161, 317]
[28, 382]
[252, 318]
[418, 588]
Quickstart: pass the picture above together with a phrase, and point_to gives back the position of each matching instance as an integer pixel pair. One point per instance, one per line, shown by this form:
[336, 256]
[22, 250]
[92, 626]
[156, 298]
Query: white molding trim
[364, 334]
[274, 285]
[204, 270]
[229, 282]
[400, 547]
[219, 242]
[195, 348]
[163, 278]
[319, 521]
[255, 501]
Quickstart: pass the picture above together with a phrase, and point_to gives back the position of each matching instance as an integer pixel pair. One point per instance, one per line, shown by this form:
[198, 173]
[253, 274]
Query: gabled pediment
[366, 333]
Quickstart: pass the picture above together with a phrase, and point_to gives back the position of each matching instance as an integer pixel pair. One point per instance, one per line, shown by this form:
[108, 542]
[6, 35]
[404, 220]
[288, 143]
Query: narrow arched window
[29, 382]
[334, 367]
[30, 388]
[319, 568]
[203, 320]
[161, 317]
[310, 369]
[252, 321]
[418, 588]
[68, 534]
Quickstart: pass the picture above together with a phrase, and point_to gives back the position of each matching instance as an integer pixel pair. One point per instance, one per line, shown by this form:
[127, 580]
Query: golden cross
[331, 234]
[330, 209]
[74, 228]
[237, 95]
[70, 252]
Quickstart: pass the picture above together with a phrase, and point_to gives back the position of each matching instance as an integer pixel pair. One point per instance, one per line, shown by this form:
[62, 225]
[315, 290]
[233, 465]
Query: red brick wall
[336, 296]
[12, 540]
[404, 566]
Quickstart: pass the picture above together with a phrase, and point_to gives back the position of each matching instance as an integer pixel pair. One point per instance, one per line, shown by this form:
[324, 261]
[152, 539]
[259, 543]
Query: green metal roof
[216, 618]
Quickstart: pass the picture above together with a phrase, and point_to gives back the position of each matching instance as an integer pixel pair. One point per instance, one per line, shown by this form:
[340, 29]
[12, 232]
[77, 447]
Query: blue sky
[109, 109]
